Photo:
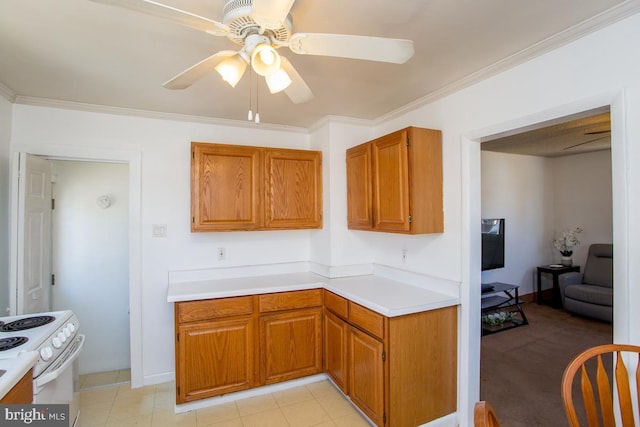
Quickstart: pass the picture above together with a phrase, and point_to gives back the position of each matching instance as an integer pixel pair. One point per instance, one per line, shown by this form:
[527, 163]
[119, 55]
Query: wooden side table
[555, 272]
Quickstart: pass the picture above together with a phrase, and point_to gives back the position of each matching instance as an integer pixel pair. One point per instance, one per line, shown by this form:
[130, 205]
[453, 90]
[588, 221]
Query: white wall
[519, 189]
[90, 258]
[583, 197]
[344, 251]
[6, 109]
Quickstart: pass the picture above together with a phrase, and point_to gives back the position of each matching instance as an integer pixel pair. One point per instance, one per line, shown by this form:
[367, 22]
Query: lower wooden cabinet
[400, 371]
[291, 345]
[21, 393]
[230, 344]
[214, 357]
[366, 374]
[336, 335]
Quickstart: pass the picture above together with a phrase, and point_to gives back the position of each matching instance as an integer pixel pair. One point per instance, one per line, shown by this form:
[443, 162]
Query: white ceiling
[78, 51]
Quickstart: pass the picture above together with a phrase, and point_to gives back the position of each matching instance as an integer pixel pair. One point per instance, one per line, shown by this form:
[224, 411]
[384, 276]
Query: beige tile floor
[101, 379]
[319, 404]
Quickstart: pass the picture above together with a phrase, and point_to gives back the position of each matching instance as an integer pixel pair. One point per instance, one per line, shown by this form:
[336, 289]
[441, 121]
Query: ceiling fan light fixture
[265, 60]
[232, 69]
[278, 81]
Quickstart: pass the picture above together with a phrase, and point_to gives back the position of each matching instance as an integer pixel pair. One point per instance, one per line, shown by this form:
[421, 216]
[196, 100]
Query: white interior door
[31, 268]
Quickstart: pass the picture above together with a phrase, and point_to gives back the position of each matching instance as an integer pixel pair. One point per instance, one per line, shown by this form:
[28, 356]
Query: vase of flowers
[565, 244]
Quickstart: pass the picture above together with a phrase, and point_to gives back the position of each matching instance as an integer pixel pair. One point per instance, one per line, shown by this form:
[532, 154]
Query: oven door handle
[69, 359]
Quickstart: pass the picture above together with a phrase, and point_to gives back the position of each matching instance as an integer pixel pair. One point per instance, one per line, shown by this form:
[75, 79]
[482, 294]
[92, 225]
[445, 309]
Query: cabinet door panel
[359, 208]
[335, 350]
[225, 187]
[294, 189]
[215, 357]
[366, 374]
[390, 183]
[291, 344]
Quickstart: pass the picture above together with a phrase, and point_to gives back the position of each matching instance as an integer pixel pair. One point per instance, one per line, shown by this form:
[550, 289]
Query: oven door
[59, 382]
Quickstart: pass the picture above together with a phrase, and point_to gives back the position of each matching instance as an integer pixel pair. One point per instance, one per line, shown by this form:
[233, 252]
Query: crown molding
[105, 109]
[7, 93]
[340, 119]
[586, 27]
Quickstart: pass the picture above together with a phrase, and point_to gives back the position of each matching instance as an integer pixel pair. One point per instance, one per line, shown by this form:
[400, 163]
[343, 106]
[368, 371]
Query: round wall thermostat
[104, 202]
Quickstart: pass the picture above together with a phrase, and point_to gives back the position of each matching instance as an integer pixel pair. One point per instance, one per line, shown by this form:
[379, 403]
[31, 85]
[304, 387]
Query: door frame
[134, 160]
[469, 362]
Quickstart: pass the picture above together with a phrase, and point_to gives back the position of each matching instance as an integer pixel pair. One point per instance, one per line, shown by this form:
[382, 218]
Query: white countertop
[15, 368]
[382, 295]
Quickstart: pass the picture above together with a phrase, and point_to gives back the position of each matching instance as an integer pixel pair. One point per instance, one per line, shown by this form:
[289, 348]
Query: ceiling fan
[261, 27]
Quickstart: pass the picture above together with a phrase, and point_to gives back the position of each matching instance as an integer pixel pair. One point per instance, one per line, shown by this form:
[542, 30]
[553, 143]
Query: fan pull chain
[250, 115]
[257, 100]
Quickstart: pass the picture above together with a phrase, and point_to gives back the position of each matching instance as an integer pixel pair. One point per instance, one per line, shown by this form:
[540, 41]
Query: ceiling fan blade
[584, 143]
[198, 71]
[176, 15]
[396, 51]
[270, 13]
[298, 91]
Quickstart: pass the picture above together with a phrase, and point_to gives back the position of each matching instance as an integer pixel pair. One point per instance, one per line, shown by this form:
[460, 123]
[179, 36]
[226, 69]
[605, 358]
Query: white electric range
[55, 336]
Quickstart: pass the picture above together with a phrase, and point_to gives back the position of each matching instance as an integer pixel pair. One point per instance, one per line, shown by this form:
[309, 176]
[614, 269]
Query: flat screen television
[492, 243]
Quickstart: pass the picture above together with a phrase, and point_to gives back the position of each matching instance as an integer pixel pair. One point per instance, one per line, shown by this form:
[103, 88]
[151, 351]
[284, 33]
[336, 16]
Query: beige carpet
[521, 368]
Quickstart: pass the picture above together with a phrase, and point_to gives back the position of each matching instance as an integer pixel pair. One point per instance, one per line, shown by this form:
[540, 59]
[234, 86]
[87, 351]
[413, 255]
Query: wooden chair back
[600, 409]
[484, 415]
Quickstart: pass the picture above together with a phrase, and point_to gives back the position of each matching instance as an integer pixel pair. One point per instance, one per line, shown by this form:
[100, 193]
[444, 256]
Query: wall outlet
[404, 255]
[222, 254]
[159, 230]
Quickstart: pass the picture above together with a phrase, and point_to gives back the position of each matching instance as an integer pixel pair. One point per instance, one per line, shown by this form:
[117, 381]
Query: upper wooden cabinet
[226, 187]
[294, 189]
[235, 188]
[394, 183]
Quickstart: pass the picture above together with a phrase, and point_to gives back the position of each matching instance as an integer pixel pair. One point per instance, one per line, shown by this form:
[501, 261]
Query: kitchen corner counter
[15, 368]
[382, 295]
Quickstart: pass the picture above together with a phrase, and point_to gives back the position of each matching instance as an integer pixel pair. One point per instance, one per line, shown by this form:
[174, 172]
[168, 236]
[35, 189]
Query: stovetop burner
[26, 323]
[12, 342]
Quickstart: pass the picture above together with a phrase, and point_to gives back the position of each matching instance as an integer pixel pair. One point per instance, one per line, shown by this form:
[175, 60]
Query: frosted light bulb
[278, 81]
[257, 117]
[267, 56]
[250, 115]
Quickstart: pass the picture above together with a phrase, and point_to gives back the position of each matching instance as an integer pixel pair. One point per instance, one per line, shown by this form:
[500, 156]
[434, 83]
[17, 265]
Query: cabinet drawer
[336, 303]
[192, 311]
[366, 319]
[290, 300]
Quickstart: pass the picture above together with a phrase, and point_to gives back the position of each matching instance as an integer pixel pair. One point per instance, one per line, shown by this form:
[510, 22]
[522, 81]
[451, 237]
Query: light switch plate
[159, 230]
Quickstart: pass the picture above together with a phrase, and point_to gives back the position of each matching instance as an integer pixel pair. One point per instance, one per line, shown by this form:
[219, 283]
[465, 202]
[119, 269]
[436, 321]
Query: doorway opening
[134, 161]
[90, 262]
[543, 179]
